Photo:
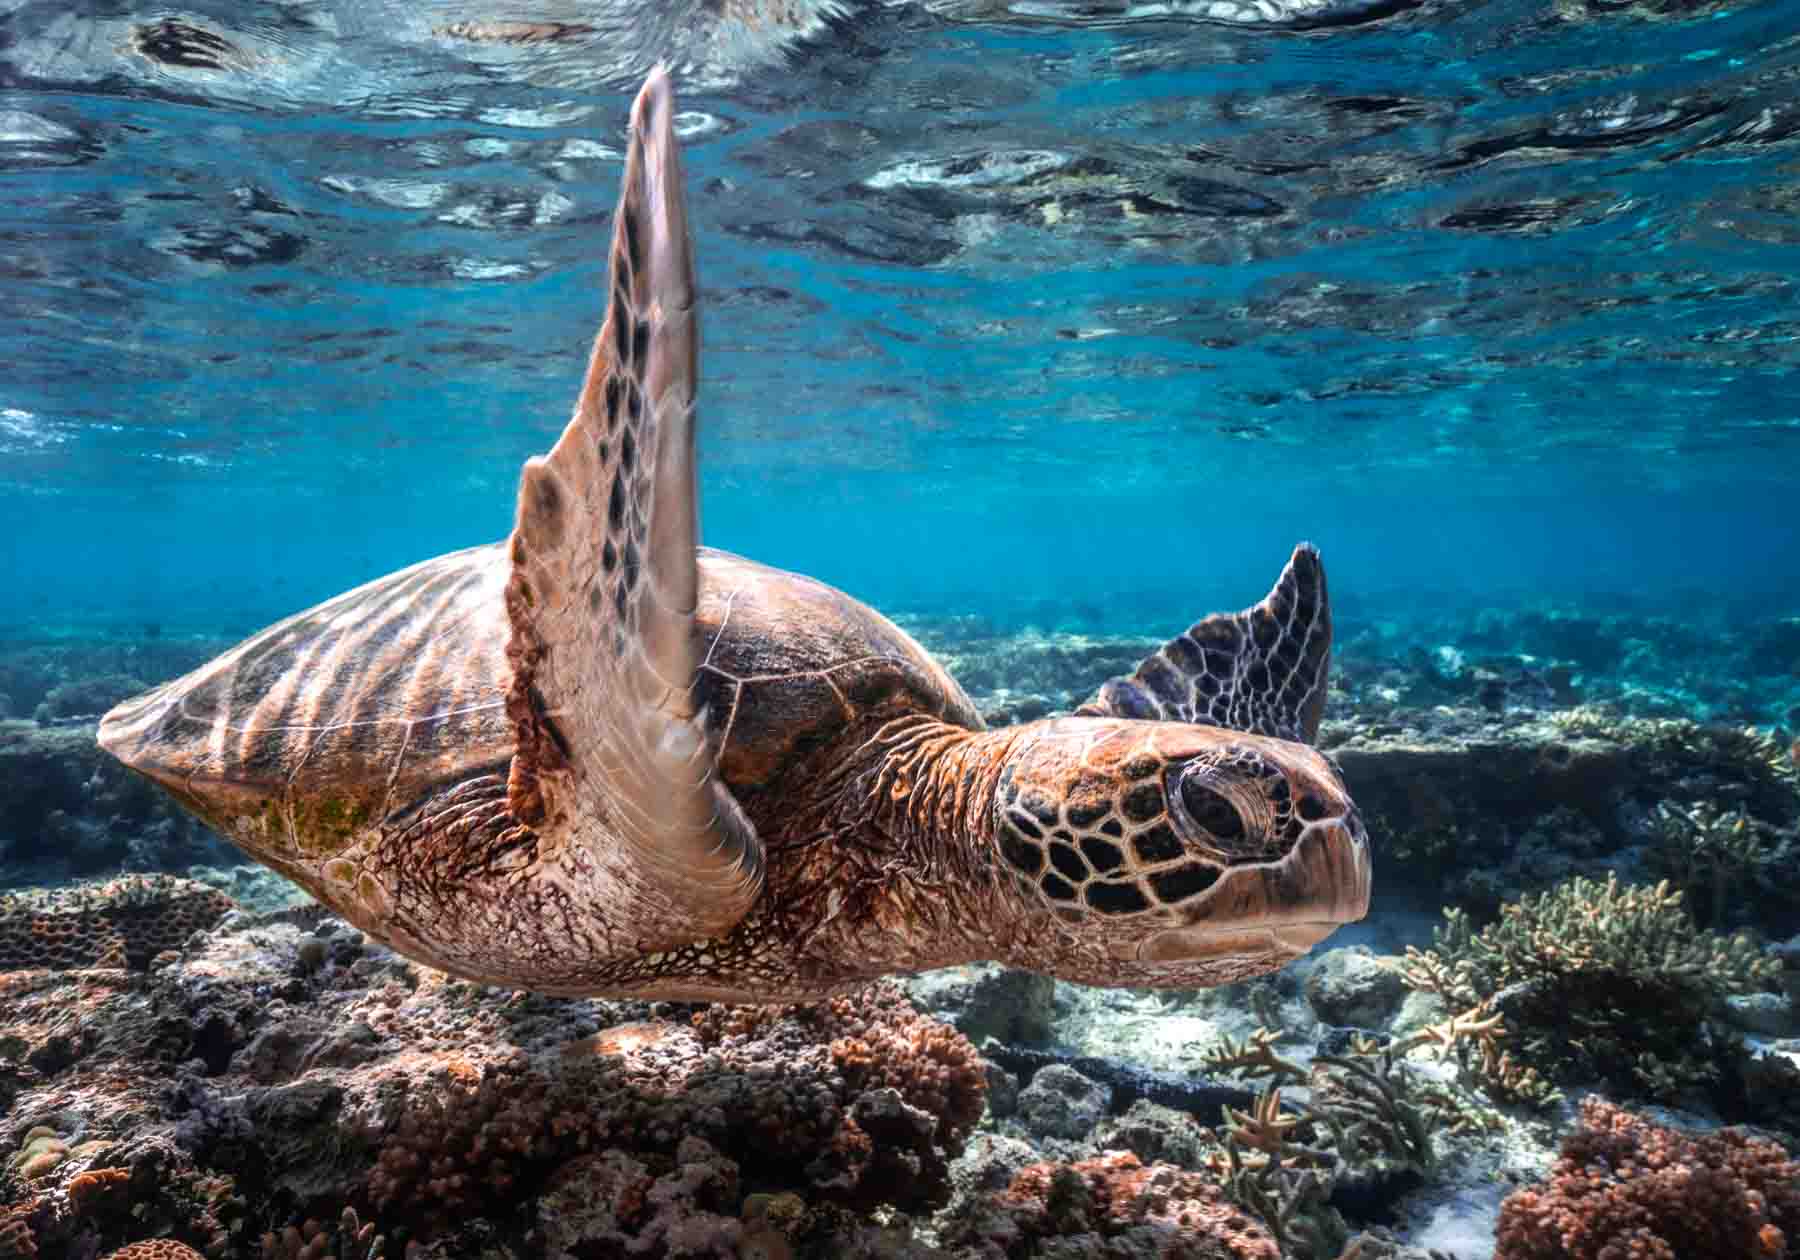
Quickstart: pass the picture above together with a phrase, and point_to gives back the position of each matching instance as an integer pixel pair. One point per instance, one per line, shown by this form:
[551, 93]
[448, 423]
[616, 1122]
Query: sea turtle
[597, 758]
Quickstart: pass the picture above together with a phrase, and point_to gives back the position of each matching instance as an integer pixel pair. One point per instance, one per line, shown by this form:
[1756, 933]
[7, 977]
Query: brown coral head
[1626, 1186]
[1118, 1187]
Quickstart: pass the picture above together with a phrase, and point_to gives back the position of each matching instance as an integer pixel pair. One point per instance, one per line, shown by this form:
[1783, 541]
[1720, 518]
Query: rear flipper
[1262, 670]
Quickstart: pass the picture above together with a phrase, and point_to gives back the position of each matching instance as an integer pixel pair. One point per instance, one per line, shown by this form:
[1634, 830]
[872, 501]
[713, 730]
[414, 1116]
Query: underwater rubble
[1584, 957]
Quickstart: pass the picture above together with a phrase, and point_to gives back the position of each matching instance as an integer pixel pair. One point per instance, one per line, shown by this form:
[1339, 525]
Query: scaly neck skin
[923, 870]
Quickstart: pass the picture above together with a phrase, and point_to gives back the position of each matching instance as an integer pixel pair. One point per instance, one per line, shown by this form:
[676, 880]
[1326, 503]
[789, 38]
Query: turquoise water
[1072, 320]
[1046, 326]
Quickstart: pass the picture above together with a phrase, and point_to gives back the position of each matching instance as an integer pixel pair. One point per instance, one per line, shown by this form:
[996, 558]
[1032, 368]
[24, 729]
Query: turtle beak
[1284, 907]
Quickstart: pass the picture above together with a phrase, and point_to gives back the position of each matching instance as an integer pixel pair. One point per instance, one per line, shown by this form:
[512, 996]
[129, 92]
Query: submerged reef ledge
[279, 1087]
[196, 1060]
[284, 1068]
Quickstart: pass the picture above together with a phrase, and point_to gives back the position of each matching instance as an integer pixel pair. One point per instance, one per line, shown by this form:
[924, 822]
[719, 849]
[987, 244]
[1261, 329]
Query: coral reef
[1596, 982]
[864, 1094]
[172, 1081]
[613, 1203]
[1350, 987]
[349, 1239]
[1729, 864]
[987, 1000]
[73, 676]
[1368, 1115]
[1061, 1102]
[68, 809]
[1155, 1133]
[281, 1071]
[1756, 758]
[1027, 674]
[85, 698]
[1447, 791]
[156, 1249]
[1625, 1187]
[1112, 1206]
[122, 923]
[1127, 1082]
[1481, 807]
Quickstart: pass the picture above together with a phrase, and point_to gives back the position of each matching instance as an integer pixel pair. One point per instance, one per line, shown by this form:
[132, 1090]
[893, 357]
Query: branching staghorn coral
[1367, 1108]
[1596, 981]
[1292, 1200]
[1718, 856]
[1476, 1038]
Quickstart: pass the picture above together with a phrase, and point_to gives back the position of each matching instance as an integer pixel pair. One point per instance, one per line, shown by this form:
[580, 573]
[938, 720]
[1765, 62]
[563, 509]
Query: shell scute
[792, 665]
[300, 737]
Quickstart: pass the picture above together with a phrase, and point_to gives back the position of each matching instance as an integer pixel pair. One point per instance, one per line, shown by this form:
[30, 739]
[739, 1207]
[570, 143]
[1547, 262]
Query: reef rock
[288, 1065]
[1350, 987]
[1061, 1102]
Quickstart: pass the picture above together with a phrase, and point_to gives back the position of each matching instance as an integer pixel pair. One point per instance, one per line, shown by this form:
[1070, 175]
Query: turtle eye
[1210, 809]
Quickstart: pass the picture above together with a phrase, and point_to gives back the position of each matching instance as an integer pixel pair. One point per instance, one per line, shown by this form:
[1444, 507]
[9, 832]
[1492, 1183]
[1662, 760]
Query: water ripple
[925, 227]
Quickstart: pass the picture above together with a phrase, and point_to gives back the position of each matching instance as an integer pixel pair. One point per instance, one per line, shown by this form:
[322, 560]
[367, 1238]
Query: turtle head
[1170, 855]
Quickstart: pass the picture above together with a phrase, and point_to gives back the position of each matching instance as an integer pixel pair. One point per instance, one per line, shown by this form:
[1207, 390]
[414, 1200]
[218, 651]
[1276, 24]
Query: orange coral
[932, 1065]
[99, 1190]
[123, 923]
[1624, 1187]
[717, 1022]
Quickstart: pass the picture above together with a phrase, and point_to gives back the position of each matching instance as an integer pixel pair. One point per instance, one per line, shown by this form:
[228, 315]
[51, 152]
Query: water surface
[1040, 312]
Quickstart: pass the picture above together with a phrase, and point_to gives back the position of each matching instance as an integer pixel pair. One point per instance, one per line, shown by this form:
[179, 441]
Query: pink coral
[1181, 1215]
[863, 1099]
[156, 1249]
[1627, 1189]
[879, 1041]
[17, 1239]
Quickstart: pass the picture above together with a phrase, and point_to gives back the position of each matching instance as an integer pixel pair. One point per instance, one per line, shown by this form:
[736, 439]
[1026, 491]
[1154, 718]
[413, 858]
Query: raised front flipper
[1262, 670]
[613, 770]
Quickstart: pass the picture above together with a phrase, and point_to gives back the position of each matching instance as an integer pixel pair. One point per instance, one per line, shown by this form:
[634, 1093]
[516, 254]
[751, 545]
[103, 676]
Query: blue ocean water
[1051, 314]
[1047, 326]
